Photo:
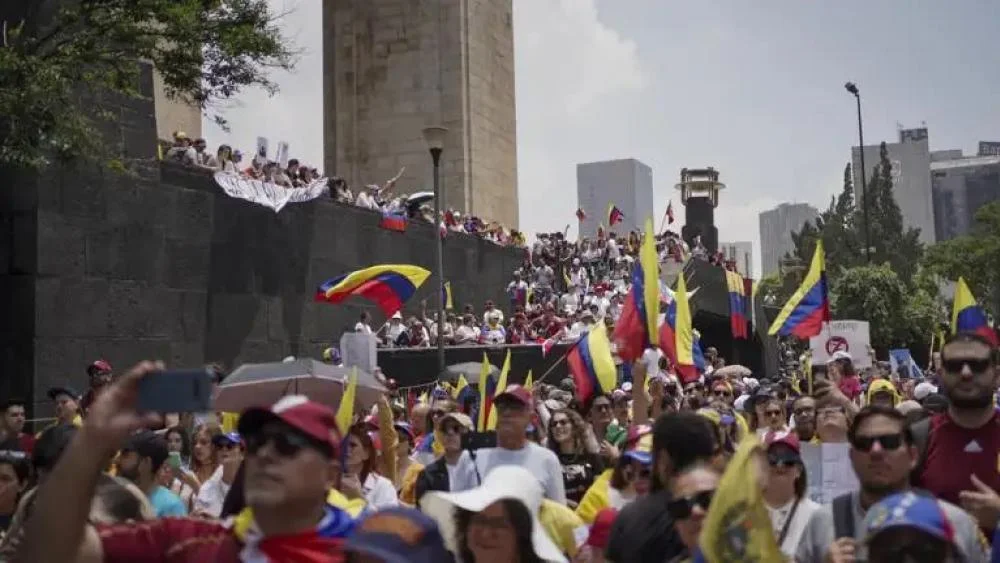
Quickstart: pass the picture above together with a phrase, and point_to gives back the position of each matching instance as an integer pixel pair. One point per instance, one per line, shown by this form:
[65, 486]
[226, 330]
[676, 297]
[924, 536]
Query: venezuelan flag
[388, 285]
[635, 329]
[615, 215]
[393, 221]
[592, 365]
[486, 391]
[501, 386]
[677, 337]
[737, 304]
[737, 526]
[809, 307]
[968, 316]
[446, 296]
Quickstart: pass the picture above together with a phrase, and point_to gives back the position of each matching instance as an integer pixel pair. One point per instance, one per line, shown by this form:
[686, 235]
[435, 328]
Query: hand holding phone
[176, 391]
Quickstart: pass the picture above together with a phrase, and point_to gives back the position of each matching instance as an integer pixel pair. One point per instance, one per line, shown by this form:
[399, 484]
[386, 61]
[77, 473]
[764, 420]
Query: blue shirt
[166, 503]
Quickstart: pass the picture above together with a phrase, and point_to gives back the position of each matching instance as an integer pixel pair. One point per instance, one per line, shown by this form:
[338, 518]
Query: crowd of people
[629, 475]
[294, 174]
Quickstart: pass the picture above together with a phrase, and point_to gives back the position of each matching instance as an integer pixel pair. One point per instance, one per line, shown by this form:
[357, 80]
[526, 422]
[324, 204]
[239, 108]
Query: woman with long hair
[785, 493]
[204, 456]
[497, 522]
[569, 437]
[362, 463]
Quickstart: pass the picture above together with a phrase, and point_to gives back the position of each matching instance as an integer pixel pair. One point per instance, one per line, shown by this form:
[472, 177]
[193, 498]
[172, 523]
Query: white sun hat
[505, 482]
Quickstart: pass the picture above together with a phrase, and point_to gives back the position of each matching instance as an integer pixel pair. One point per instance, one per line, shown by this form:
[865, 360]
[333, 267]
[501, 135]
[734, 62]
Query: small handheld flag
[491, 423]
[580, 214]
[484, 376]
[968, 316]
[615, 215]
[393, 222]
[635, 329]
[345, 410]
[592, 365]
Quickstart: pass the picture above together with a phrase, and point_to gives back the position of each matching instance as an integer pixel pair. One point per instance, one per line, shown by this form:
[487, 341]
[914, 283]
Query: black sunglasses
[287, 444]
[975, 365]
[886, 441]
[778, 461]
[681, 508]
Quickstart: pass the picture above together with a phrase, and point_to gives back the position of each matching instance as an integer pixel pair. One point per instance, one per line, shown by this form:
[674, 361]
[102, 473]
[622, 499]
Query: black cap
[148, 444]
[54, 392]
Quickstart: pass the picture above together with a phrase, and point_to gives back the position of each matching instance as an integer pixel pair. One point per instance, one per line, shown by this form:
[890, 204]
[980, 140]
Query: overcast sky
[754, 89]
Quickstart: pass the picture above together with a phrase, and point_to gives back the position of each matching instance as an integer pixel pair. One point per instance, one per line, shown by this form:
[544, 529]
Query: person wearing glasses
[882, 455]
[692, 490]
[774, 419]
[291, 460]
[723, 391]
[804, 416]
[785, 493]
[832, 421]
[437, 476]
[967, 435]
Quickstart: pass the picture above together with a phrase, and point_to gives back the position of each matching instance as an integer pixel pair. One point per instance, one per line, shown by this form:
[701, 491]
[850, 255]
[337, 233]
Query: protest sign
[267, 194]
[848, 336]
[828, 471]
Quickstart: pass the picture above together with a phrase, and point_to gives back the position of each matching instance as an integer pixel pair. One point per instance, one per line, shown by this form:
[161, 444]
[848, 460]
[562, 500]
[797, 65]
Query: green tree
[975, 256]
[891, 241]
[875, 294]
[56, 69]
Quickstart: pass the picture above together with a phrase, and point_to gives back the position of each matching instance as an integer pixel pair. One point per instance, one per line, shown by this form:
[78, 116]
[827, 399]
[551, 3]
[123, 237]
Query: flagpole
[662, 221]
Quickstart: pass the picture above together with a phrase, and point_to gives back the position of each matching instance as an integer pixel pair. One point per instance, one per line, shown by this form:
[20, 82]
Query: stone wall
[162, 264]
[393, 67]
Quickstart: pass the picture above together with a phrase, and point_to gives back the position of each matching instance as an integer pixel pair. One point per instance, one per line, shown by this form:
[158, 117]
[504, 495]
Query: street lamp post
[434, 137]
[853, 89]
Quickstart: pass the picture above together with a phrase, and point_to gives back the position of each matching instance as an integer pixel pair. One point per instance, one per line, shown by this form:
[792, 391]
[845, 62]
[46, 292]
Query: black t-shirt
[644, 532]
[579, 472]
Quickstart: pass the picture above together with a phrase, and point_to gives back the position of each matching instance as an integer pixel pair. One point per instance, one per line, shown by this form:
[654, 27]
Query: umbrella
[734, 370]
[469, 369]
[419, 198]
[263, 384]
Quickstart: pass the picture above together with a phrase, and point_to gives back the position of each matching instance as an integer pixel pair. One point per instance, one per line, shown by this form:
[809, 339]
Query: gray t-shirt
[541, 462]
[819, 533]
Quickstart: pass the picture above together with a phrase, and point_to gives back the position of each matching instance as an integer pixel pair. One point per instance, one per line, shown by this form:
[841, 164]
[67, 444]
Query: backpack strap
[843, 517]
[921, 431]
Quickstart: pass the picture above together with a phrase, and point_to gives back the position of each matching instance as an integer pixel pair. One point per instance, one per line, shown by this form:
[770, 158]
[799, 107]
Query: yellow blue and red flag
[737, 305]
[393, 221]
[591, 364]
[501, 386]
[388, 285]
[635, 329]
[809, 307]
[615, 215]
[677, 338]
[968, 316]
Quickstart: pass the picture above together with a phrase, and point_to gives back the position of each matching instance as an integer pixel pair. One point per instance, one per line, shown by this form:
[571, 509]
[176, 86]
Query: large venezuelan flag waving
[677, 338]
[968, 316]
[737, 305]
[809, 307]
[592, 365]
[635, 329]
[388, 285]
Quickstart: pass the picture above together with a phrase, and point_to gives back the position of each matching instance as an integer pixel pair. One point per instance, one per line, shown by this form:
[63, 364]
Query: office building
[741, 253]
[911, 173]
[392, 68]
[776, 227]
[627, 184]
[960, 186]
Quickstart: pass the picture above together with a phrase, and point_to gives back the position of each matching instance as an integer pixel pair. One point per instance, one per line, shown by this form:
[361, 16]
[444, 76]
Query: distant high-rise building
[960, 186]
[911, 173]
[627, 184]
[776, 227]
[741, 253]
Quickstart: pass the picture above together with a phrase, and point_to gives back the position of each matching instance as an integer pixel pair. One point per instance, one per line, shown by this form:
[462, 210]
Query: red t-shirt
[955, 453]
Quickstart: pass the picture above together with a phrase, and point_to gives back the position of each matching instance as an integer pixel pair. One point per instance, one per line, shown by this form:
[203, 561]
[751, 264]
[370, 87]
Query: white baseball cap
[840, 355]
[923, 389]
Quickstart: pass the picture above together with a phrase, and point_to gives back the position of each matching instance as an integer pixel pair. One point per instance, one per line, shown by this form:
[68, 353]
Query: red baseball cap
[517, 393]
[310, 418]
[99, 367]
[786, 438]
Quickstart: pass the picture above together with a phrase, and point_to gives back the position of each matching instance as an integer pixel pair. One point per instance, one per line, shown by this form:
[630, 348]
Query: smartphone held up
[176, 391]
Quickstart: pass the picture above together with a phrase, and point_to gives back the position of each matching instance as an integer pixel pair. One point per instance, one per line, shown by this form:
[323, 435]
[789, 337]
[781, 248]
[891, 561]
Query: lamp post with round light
[853, 89]
[434, 137]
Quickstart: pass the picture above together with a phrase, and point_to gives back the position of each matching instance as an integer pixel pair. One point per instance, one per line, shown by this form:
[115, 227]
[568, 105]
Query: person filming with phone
[514, 410]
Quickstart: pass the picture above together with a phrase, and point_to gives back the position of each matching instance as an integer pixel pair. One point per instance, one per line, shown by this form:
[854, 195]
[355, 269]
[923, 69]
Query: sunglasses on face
[804, 411]
[772, 413]
[681, 508]
[721, 393]
[779, 461]
[976, 365]
[888, 442]
[286, 444]
[561, 422]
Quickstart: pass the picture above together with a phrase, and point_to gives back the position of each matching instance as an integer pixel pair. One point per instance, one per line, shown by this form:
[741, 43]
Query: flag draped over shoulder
[737, 527]
[737, 305]
[592, 365]
[635, 329]
[968, 316]
[677, 338]
[388, 285]
[809, 307]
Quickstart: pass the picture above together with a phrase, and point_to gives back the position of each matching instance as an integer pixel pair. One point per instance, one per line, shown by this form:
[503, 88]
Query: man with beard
[882, 455]
[967, 435]
[140, 460]
[804, 411]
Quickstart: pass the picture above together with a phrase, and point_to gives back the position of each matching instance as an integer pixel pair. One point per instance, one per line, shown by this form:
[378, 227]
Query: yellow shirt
[77, 421]
[563, 526]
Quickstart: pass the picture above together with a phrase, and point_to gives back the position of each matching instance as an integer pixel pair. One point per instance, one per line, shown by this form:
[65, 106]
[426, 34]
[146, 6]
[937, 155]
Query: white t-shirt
[363, 328]
[779, 516]
[211, 494]
[452, 469]
[379, 492]
[540, 462]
